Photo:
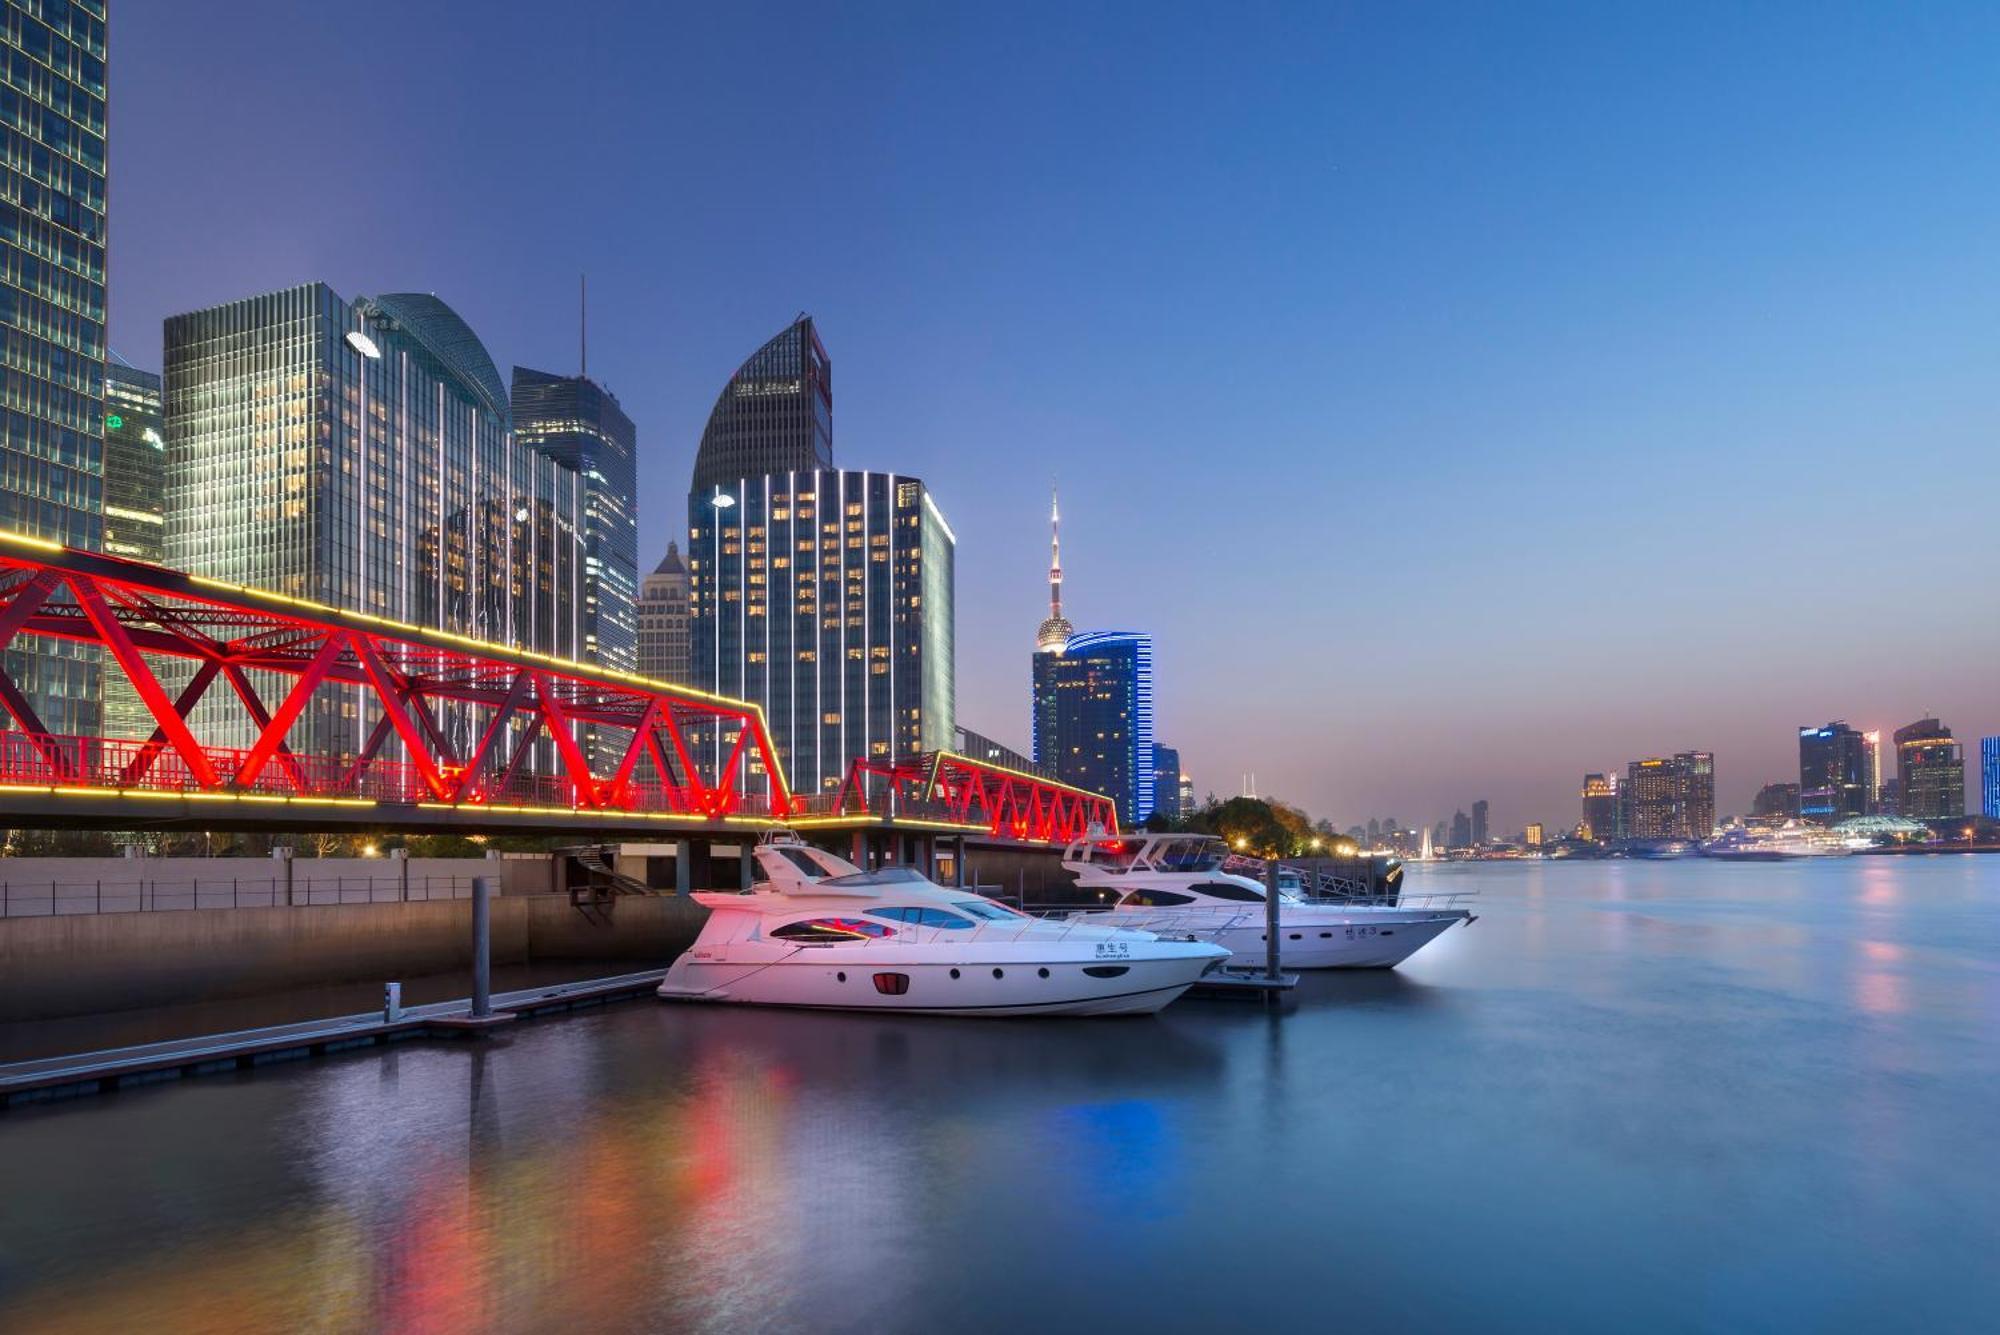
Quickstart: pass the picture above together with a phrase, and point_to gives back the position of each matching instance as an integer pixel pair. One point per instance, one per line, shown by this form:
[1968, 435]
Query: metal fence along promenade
[45, 899]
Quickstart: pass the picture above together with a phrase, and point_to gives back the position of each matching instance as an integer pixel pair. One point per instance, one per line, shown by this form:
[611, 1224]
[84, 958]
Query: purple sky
[1464, 397]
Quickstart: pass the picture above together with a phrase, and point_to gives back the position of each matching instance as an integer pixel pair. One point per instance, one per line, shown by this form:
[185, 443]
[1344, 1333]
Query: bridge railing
[57, 761]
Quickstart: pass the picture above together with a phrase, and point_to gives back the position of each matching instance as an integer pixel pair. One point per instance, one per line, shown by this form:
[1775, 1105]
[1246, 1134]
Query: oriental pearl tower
[1055, 632]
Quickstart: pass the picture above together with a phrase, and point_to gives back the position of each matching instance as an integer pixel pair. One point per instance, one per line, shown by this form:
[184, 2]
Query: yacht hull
[966, 987]
[1310, 939]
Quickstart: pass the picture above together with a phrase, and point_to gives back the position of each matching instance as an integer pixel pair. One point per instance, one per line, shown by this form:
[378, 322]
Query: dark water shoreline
[1633, 1096]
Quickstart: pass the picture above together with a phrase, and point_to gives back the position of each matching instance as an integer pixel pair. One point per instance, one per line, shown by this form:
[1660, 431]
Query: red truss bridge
[943, 790]
[454, 724]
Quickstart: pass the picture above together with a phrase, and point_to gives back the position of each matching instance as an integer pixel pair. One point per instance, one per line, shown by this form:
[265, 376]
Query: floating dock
[85, 1073]
[1243, 983]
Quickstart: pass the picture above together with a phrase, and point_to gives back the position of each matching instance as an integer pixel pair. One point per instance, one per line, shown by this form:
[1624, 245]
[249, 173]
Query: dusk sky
[1464, 397]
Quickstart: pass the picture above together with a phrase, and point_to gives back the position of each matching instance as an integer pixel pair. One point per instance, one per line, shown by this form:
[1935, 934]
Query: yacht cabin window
[1242, 894]
[830, 931]
[1155, 899]
[922, 917]
[986, 909]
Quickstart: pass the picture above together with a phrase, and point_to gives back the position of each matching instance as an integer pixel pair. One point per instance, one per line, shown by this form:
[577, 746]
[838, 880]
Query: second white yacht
[817, 931]
[1175, 883]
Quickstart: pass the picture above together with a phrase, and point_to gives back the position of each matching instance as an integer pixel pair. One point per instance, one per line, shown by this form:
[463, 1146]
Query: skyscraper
[135, 467]
[1930, 771]
[1600, 807]
[663, 621]
[1671, 797]
[1094, 717]
[774, 416]
[1479, 830]
[1871, 759]
[1461, 830]
[135, 484]
[1776, 801]
[1989, 777]
[826, 597]
[579, 425]
[1187, 795]
[1833, 773]
[52, 299]
[360, 455]
[1166, 781]
[1092, 696]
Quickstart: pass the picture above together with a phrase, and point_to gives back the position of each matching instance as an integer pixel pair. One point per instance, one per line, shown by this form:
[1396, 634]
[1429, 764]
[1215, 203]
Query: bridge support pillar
[860, 850]
[958, 862]
[683, 866]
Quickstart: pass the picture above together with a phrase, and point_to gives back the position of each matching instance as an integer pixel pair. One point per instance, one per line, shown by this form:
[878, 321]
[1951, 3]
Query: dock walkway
[84, 1073]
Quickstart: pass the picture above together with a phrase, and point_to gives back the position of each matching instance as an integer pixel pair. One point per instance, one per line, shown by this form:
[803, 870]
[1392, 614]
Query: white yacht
[1778, 844]
[1175, 883]
[815, 930]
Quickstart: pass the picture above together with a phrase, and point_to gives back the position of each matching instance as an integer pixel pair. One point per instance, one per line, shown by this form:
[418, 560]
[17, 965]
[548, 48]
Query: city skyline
[1317, 311]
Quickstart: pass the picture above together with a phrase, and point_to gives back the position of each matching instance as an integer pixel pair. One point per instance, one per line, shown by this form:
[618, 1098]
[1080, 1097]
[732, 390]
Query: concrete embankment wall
[84, 964]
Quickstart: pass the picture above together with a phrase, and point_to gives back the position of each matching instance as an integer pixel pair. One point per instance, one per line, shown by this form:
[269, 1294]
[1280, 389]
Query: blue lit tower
[1989, 777]
[1093, 704]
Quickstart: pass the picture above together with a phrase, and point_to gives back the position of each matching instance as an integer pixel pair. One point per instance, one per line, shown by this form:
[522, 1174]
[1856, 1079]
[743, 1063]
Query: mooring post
[1271, 919]
[401, 857]
[482, 953]
[745, 855]
[683, 867]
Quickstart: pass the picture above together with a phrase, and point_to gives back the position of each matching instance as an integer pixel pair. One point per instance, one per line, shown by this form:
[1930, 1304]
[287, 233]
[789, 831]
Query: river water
[1633, 1096]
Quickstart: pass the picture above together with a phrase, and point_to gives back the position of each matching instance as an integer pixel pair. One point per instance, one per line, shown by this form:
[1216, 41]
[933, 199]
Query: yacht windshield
[880, 876]
[985, 908]
[1188, 855]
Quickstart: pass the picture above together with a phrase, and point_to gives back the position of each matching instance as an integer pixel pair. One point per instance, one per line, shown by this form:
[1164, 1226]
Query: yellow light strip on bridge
[745, 707]
[460, 808]
[1044, 780]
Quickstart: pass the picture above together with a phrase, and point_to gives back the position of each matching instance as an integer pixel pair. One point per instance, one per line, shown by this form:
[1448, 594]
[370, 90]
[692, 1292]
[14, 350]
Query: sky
[1465, 397]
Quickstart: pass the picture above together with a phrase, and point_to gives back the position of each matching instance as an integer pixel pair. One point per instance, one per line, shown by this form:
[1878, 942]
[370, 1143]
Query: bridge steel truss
[409, 773]
[948, 790]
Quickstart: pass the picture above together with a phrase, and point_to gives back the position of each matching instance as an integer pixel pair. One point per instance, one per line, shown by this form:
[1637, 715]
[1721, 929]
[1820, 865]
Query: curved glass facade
[774, 416]
[352, 454]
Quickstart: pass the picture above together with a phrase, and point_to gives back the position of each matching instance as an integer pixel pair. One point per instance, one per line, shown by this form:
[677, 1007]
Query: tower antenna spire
[1055, 554]
[1055, 632]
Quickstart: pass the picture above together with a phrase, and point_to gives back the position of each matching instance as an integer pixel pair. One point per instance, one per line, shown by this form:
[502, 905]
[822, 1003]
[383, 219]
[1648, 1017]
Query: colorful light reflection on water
[1648, 1095]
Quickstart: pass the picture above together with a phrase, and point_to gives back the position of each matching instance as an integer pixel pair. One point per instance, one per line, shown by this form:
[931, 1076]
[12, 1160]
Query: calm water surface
[1667, 1096]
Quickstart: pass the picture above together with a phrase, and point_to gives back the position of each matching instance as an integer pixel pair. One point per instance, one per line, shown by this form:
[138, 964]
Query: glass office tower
[579, 424]
[52, 234]
[1093, 701]
[1930, 771]
[135, 466]
[361, 455]
[1834, 773]
[135, 486]
[826, 597]
[774, 416]
[1671, 797]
